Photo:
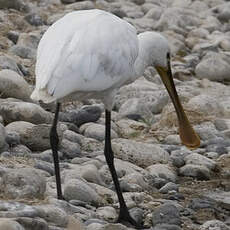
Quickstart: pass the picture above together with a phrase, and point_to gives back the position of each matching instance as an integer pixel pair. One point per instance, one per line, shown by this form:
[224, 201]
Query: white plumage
[90, 54]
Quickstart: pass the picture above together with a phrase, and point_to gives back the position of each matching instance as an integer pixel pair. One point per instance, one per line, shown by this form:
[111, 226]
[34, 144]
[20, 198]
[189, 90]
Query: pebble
[24, 111]
[7, 224]
[22, 183]
[139, 153]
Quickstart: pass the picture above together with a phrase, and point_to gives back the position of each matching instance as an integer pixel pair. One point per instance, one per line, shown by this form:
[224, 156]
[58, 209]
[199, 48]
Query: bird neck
[143, 60]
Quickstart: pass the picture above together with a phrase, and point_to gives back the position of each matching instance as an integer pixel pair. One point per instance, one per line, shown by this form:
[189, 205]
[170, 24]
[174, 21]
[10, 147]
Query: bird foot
[125, 217]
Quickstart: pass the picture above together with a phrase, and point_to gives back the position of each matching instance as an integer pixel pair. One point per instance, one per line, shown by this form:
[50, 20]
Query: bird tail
[42, 95]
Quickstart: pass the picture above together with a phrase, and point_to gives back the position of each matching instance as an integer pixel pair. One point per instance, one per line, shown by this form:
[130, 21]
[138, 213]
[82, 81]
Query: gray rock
[33, 223]
[23, 183]
[6, 62]
[176, 17]
[206, 130]
[208, 105]
[97, 131]
[12, 138]
[226, 107]
[45, 166]
[72, 136]
[30, 40]
[84, 5]
[2, 137]
[198, 159]
[34, 19]
[53, 214]
[199, 172]
[141, 154]
[68, 1]
[70, 149]
[8, 224]
[166, 227]
[107, 213]
[211, 23]
[77, 189]
[13, 85]
[166, 214]
[172, 139]
[24, 111]
[90, 113]
[169, 187]
[136, 106]
[20, 151]
[214, 224]
[35, 137]
[213, 66]
[23, 51]
[14, 4]
[222, 124]
[162, 171]
[178, 157]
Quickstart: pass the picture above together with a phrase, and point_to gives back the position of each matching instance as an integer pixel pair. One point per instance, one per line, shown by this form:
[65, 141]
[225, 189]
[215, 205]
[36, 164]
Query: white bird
[91, 54]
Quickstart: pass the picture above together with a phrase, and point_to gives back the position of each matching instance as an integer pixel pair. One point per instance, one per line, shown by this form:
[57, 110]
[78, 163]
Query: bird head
[159, 51]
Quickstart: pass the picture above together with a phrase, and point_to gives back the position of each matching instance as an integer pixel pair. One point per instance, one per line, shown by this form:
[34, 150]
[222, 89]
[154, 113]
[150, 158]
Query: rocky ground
[165, 184]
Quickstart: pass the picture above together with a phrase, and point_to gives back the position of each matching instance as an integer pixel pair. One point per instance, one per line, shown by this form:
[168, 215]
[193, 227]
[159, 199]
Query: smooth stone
[130, 128]
[173, 139]
[226, 107]
[8, 224]
[68, 1]
[2, 137]
[23, 183]
[30, 40]
[13, 4]
[84, 5]
[178, 157]
[75, 224]
[138, 107]
[33, 223]
[166, 227]
[107, 213]
[86, 114]
[206, 130]
[170, 186]
[162, 171]
[70, 149]
[141, 154]
[24, 111]
[45, 166]
[214, 224]
[207, 67]
[14, 85]
[35, 137]
[198, 159]
[20, 150]
[34, 19]
[166, 214]
[12, 139]
[73, 136]
[7, 62]
[53, 214]
[97, 131]
[199, 172]
[23, 51]
[207, 104]
[222, 124]
[77, 189]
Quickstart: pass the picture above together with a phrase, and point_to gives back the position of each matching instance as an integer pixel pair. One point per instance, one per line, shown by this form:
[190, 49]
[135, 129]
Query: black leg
[54, 146]
[124, 213]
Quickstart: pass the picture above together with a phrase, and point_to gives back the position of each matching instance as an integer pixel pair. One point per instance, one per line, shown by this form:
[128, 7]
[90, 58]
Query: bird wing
[86, 51]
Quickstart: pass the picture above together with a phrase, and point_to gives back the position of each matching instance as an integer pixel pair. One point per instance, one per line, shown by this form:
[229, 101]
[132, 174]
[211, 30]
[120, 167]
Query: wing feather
[86, 51]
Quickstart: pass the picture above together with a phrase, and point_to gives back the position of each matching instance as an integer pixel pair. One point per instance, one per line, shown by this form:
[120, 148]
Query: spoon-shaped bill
[187, 134]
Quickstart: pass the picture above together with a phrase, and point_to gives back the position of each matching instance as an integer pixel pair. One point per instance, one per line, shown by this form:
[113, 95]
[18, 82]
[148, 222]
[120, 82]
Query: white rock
[107, 213]
[206, 104]
[198, 159]
[214, 225]
[97, 131]
[162, 171]
[213, 66]
[77, 189]
[141, 154]
[35, 137]
[23, 183]
[24, 111]
[14, 85]
[7, 224]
